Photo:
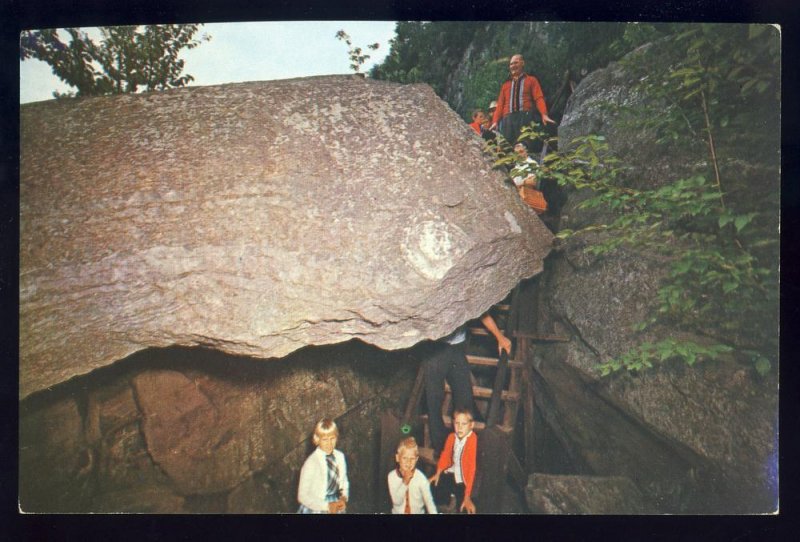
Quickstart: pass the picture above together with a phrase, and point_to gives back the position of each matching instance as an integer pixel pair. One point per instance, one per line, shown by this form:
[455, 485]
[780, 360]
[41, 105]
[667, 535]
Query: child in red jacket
[458, 464]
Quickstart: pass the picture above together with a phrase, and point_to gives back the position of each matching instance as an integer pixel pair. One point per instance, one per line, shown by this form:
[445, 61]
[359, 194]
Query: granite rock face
[54, 458]
[560, 494]
[712, 428]
[257, 218]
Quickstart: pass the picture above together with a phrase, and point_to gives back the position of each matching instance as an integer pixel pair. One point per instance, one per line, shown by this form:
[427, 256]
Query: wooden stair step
[490, 362]
[481, 392]
[448, 422]
[479, 426]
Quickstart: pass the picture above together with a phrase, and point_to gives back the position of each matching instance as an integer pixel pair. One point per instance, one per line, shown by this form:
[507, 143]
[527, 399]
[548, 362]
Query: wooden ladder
[496, 403]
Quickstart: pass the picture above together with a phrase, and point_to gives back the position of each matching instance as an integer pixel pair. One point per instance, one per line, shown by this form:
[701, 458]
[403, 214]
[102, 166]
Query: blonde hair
[408, 442]
[467, 412]
[324, 427]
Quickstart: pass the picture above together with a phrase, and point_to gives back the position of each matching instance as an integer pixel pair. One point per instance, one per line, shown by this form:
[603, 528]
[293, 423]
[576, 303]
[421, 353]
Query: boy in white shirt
[408, 487]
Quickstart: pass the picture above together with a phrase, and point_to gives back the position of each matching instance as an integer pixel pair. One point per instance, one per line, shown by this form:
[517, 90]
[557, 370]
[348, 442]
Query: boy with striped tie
[324, 487]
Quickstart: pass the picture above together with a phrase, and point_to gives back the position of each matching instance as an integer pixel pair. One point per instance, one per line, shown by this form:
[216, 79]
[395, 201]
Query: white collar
[323, 454]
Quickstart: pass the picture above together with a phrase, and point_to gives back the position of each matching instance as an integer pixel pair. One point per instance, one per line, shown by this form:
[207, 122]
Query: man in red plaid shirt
[518, 96]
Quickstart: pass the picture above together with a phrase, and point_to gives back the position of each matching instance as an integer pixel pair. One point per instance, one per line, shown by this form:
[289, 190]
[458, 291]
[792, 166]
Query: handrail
[416, 395]
[541, 337]
[502, 364]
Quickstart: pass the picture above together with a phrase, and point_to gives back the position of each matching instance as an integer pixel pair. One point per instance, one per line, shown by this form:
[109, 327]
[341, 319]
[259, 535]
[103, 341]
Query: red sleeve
[501, 105]
[469, 461]
[538, 96]
[446, 457]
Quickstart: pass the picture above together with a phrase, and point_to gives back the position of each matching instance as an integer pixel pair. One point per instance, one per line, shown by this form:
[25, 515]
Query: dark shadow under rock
[196, 431]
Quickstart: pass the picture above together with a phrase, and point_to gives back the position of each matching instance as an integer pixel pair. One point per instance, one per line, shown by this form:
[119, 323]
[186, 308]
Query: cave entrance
[194, 430]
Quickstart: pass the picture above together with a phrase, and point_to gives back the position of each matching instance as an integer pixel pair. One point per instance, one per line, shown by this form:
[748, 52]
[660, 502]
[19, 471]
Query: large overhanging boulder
[256, 219]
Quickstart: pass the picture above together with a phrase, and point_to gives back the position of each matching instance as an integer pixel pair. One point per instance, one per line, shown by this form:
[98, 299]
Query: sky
[252, 51]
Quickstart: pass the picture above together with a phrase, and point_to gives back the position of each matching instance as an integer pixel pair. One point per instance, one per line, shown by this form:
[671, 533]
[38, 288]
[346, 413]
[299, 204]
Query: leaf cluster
[357, 55]
[709, 81]
[647, 354]
[127, 59]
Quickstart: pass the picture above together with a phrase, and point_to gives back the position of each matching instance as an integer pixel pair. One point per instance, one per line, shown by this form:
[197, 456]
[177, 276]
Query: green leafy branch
[357, 56]
[125, 60]
[710, 279]
[647, 354]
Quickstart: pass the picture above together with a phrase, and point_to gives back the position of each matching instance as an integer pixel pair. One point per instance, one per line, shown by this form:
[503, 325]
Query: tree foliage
[125, 60]
[466, 61]
[425, 52]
